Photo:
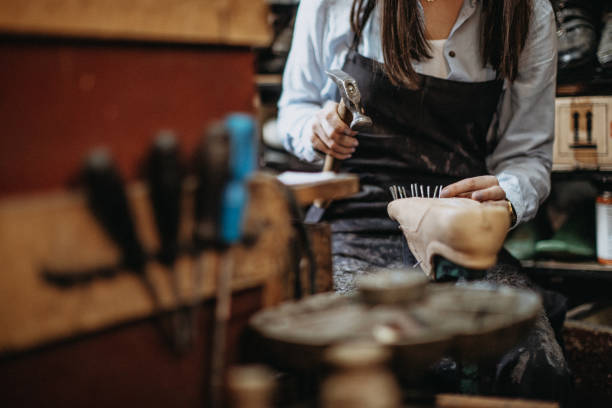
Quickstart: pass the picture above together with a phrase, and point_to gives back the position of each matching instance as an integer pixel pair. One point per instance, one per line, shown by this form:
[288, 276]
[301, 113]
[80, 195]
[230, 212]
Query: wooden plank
[466, 401]
[320, 241]
[126, 366]
[572, 266]
[57, 231]
[60, 99]
[233, 22]
[342, 185]
[320, 238]
[268, 79]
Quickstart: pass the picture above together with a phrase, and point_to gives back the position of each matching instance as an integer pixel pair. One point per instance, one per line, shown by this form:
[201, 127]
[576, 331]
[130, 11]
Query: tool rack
[78, 75]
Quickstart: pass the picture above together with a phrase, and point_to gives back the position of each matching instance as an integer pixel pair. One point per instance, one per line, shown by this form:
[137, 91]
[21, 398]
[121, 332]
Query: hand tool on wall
[108, 202]
[212, 172]
[165, 180]
[352, 113]
[241, 131]
[211, 166]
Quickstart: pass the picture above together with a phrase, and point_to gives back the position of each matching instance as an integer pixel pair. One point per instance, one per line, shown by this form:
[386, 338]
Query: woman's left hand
[481, 188]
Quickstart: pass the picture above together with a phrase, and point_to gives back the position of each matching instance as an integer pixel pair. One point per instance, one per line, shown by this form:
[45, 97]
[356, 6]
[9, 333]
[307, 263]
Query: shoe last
[464, 231]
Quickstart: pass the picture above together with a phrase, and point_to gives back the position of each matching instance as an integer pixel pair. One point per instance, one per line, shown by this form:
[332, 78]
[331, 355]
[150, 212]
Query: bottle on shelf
[603, 212]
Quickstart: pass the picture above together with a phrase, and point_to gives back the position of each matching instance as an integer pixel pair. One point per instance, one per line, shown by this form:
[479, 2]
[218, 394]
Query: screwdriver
[211, 165]
[241, 130]
[212, 172]
[165, 179]
[108, 202]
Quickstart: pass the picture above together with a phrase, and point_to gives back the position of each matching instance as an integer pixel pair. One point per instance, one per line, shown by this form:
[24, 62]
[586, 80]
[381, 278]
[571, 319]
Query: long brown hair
[504, 29]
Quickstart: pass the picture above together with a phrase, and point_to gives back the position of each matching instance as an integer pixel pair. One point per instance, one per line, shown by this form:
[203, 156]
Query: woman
[461, 93]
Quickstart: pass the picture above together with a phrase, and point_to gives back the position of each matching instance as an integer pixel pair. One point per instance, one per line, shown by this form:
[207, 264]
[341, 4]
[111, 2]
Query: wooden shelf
[268, 79]
[236, 22]
[584, 270]
[574, 266]
[597, 86]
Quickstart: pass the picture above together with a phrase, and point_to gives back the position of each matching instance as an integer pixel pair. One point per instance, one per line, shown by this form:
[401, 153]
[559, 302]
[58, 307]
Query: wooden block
[57, 231]
[587, 334]
[582, 133]
[235, 22]
[341, 185]
[320, 239]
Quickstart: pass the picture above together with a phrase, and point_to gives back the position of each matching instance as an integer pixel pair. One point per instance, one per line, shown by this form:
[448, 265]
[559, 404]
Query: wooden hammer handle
[344, 113]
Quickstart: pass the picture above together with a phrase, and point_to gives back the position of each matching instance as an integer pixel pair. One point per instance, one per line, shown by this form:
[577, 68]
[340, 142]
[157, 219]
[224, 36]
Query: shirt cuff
[311, 155]
[307, 152]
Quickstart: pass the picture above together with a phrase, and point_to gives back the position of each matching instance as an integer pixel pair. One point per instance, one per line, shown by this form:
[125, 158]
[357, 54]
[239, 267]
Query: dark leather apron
[434, 135]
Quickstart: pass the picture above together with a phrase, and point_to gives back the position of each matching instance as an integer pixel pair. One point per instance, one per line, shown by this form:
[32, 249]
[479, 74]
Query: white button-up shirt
[522, 131]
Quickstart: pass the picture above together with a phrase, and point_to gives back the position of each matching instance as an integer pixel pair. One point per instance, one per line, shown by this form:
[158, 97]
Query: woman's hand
[481, 188]
[331, 135]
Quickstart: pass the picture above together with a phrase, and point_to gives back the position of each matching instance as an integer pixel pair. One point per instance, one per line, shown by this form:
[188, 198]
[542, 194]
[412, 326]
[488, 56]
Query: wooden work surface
[472, 401]
[232, 22]
[57, 231]
[338, 186]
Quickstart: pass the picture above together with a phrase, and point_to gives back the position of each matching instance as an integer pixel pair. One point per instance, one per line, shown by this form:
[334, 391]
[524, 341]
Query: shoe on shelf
[463, 231]
[604, 51]
[576, 34]
[521, 242]
[574, 240]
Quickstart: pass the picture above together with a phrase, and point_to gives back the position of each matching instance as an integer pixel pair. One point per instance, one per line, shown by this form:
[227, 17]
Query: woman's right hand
[330, 135]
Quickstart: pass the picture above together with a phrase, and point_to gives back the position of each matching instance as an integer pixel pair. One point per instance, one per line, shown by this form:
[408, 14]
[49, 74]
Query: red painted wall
[60, 98]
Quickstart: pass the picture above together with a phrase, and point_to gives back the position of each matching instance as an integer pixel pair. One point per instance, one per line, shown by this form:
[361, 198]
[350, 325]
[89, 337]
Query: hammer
[352, 113]
[349, 109]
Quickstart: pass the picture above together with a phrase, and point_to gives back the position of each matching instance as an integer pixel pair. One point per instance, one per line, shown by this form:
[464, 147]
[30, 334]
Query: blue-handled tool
[241, 131]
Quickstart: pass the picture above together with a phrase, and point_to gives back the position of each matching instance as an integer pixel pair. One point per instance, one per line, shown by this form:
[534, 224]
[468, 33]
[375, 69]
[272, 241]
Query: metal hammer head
[349, 92]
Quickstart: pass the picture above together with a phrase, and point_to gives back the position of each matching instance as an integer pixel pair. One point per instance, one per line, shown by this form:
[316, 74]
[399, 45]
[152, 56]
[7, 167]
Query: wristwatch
[512, 213]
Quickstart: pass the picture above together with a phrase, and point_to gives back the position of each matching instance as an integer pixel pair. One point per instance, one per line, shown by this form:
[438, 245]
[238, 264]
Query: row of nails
[416, 190]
